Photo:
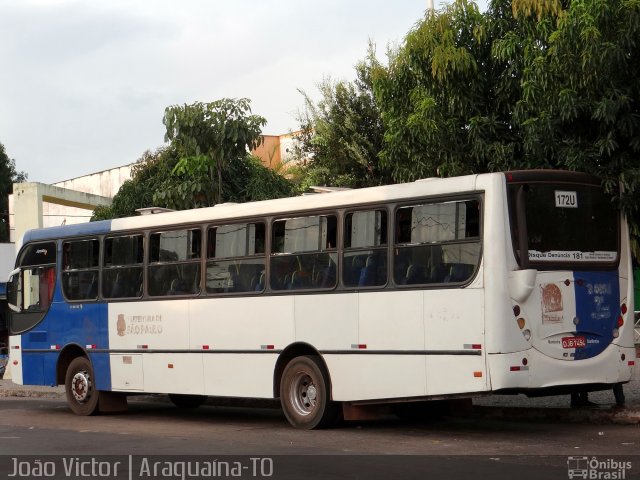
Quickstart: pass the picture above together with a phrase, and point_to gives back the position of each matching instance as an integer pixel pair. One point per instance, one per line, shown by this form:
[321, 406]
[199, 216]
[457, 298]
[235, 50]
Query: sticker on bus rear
[566, 199]
[571, 256]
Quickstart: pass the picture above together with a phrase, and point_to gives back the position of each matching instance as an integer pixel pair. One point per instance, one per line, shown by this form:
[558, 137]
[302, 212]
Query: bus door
[29, 296]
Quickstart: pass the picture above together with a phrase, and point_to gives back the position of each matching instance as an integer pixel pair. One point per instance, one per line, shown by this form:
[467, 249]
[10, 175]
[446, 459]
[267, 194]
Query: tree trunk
[219, 182]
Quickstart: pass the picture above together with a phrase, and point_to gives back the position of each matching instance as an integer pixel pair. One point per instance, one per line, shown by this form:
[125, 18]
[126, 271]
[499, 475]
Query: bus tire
[187, 401]
[80, 387]
[304, 394]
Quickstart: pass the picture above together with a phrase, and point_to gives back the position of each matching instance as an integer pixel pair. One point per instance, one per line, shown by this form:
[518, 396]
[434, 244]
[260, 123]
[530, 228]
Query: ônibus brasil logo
[597, 469]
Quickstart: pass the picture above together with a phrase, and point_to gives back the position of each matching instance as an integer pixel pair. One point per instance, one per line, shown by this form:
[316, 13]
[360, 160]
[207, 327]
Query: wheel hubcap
[303, 394]
[80, 386]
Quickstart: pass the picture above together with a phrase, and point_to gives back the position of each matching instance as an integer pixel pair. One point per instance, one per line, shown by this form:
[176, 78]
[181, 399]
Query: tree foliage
[210, 136]
[156, 183]
[8, 176]
[526, 84]
[580, 104]
[447, 95]
[341, 134]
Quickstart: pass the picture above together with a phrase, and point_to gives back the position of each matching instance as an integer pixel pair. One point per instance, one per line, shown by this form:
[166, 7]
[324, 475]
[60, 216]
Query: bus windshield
[564, 224]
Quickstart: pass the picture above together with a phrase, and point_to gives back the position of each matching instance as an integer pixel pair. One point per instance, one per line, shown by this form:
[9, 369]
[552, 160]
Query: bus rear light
[516, 310]
[623, 308]
[54, 347]
[16, 347]
[526, 334]
[521, 323]
[143, 347]
[518, 368]
[359, 346]
[170, 365]
[631, 363]
[472, 346]
[90, 347]
[15, 362]
[477, 374]
[620, 321]
[267, 347]
[616, 333]
[205, 347]
[525, 361]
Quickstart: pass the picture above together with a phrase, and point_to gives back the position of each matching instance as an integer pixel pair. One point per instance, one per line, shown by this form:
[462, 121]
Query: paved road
[448, 448]
[533, 440]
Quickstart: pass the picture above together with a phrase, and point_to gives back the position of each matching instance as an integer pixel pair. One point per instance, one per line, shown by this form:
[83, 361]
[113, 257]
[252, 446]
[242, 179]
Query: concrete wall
[105, 184]
[7, 260]
[269, 151]
[29, 199]
[277, 149]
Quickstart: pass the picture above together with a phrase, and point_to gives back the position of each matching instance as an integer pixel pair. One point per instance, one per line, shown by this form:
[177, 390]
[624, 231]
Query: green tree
[341, 134]
[446, 98]
[149, 175]
[580, 105]
[209, 136]
[527, 84]
[155, 183]
[8, 176]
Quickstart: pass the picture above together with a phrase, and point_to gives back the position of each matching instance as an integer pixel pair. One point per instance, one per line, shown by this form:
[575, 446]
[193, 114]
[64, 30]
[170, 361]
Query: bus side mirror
[14, 291]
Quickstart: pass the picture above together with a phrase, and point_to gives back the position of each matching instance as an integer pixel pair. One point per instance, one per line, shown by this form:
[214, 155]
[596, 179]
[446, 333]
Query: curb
[608, 415]
[26, 393]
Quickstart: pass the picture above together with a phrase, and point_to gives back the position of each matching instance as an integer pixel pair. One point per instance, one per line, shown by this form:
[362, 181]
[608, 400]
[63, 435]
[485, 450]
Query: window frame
[98, 268]
[334, 250]
[148, 264]
[266, 223]
[387, 208]
[103, 268]
[462, 197]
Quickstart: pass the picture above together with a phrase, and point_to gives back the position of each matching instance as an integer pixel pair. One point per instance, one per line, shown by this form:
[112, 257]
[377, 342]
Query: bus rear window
[564, 223]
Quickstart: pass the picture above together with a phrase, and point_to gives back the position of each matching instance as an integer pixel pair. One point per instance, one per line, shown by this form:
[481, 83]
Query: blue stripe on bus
[66, 324]
[88, 228]
[597, 308]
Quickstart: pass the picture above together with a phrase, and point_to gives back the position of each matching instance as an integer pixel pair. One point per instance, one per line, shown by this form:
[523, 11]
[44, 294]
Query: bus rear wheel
[304, 394]
[80, 388]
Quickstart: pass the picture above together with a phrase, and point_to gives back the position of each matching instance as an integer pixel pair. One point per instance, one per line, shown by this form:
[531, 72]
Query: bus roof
[301, 204]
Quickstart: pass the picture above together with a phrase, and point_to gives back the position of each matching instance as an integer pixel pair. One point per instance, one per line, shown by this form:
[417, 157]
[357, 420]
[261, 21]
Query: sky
[84, 84]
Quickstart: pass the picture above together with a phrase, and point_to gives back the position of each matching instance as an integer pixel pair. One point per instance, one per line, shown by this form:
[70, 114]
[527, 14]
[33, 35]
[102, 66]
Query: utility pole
[430, 5]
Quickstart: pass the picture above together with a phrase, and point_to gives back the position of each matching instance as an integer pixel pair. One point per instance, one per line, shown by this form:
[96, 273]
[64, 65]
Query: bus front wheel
[80, 387]
[304, 394]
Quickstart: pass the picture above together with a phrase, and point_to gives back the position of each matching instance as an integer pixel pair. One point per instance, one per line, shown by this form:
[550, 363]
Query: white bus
[441, 288]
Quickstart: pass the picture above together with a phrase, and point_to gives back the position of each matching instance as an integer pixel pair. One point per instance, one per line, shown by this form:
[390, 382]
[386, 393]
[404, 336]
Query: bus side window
[236, 258]
[174, 262]
[80, 262]
[304, 253]
[437, 243]
[122, 274]
[365, 249]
